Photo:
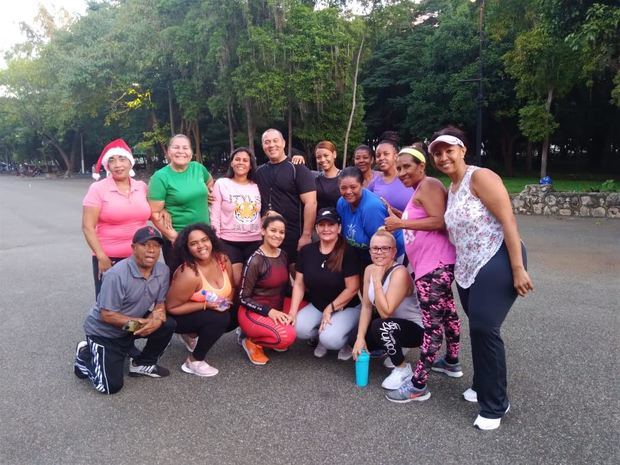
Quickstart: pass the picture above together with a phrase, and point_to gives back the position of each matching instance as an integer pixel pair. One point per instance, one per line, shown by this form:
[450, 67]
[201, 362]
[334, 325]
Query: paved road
[562, 341]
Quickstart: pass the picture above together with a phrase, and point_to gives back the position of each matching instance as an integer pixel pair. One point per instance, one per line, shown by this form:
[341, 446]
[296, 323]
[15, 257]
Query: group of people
[351, 260]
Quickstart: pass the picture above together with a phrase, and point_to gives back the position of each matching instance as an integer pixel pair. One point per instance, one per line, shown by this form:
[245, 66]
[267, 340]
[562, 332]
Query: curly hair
[181, 252]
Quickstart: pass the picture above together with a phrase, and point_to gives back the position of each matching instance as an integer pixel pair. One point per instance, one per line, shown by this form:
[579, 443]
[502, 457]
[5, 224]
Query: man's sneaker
[320, 351]
[152, 371]
[255, 352]
[199, 368]
[488, 424]
[345, 353]
[470, 395]
[387, 361]
[453, 370]
[398, 377]
[189, 342]
[79, 349]
[313, 341]
[408, 392]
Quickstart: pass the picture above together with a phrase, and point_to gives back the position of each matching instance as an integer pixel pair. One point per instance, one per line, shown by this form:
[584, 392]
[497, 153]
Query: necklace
[326, 255]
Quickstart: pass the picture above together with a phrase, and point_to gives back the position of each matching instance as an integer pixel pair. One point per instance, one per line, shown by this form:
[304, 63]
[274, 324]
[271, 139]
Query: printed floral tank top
[474, 231]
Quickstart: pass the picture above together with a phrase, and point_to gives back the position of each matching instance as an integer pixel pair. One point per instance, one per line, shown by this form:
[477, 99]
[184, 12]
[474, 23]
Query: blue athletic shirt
[359, 226]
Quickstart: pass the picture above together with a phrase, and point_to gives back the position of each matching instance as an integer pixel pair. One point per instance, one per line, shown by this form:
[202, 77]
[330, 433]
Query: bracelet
[333, 307]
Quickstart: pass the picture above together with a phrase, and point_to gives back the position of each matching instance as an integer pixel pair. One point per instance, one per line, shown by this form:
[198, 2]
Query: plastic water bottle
[362, 368]
[212, 297]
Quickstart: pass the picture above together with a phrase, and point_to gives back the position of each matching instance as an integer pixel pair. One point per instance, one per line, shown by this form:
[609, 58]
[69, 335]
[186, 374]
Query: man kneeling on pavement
[129, 306]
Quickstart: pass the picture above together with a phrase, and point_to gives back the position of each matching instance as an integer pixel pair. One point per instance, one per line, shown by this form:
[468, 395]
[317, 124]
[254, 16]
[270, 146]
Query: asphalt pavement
[562, 346]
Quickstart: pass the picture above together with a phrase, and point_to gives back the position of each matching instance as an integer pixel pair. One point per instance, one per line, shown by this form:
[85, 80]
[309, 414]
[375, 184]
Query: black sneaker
[153, 371]
[313, 341]
[79, 349]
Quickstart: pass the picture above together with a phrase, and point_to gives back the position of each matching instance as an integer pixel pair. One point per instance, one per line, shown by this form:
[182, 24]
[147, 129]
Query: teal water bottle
[362, 367]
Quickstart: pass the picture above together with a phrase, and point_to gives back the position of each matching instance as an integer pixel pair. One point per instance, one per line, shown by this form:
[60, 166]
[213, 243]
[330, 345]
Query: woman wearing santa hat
[113, 208]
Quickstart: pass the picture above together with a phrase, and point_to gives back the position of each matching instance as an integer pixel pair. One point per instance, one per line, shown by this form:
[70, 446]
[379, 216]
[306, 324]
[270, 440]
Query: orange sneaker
[255, 352]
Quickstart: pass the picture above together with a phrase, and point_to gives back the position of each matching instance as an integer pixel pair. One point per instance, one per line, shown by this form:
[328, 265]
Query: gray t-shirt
[126, 291]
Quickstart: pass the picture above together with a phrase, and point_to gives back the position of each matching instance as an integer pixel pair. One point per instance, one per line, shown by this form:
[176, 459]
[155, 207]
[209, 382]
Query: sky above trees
[14, 13]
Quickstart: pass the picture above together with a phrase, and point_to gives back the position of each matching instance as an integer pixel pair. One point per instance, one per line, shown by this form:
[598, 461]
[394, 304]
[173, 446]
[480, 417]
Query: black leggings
[209, 325]
[486, 303]
[392, 334]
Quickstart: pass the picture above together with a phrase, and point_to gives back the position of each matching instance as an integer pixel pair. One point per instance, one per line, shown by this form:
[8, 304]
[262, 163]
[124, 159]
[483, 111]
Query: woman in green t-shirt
[180, 188]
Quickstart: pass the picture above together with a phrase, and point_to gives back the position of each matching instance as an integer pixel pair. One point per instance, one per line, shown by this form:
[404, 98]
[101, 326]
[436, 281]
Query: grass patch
[514, 185]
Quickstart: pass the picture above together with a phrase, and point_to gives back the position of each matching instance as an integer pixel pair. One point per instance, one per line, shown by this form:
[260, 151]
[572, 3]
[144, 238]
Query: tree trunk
[346, 136]
[507, 141]
[154, 127]
[290, 128]
[545, 146]
[231, 131]
[61, 152]
[250, 124]
[194, 131]
[74, 149]
[170, 111]
[529, 155]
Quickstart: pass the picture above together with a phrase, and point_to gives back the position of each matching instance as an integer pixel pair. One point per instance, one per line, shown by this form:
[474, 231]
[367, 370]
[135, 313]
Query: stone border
[538, 199]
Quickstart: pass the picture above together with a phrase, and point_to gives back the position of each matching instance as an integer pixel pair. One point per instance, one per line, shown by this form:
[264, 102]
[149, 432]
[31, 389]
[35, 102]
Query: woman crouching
[263, 312]
[200, 294]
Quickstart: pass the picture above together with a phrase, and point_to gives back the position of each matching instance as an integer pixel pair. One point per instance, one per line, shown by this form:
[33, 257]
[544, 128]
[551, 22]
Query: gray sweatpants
[334, 337]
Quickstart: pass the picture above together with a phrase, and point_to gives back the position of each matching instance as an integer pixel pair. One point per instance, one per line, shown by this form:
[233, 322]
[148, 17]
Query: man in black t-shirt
[289, 190]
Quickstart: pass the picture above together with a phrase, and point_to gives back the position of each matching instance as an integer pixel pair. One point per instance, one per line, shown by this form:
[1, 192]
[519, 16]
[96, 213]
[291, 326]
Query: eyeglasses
[384, 249]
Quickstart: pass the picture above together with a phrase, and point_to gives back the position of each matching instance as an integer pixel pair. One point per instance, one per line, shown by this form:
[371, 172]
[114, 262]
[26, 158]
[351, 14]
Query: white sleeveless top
[409, 308]
[474, 231]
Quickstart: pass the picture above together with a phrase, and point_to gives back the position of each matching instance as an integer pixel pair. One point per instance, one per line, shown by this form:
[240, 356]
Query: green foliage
[597, 40]
[536, 122]
[223, 70]
[607, 186]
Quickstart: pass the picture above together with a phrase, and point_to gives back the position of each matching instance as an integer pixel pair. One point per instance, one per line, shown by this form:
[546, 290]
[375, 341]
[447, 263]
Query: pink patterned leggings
[439, 316]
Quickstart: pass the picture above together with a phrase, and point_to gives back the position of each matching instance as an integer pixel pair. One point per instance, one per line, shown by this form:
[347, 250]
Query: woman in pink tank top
[200, 294]
[431, 256]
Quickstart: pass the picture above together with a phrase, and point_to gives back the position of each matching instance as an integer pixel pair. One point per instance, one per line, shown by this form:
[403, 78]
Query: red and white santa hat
[116, 147]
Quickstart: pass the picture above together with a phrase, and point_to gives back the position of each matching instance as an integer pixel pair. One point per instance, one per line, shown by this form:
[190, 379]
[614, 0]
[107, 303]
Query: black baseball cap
[327, 214]
[147, 233]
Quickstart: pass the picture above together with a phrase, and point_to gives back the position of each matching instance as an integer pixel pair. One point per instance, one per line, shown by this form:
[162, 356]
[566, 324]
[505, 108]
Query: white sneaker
[387, 361]
[199, 368]
[397, 378]
[488, 424]
[470, 395]
[320, 351]
[345, 353]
